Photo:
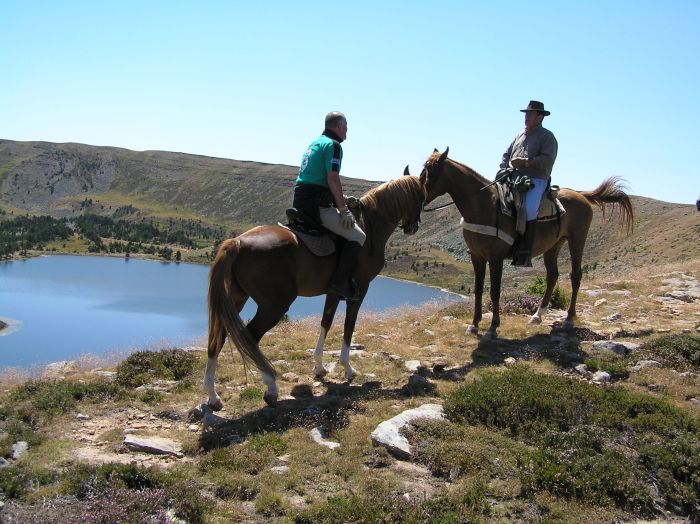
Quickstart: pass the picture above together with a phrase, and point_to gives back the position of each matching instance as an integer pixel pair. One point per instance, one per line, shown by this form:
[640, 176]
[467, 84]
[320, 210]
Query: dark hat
[534, 105]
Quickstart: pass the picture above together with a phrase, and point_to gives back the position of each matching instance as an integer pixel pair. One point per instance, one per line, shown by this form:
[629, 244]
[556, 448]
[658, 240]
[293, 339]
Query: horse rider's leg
[352, 308]
[266, 317]
[576, 250]
[329, 310]
[550, 264]
[479, 266]
[496, 272]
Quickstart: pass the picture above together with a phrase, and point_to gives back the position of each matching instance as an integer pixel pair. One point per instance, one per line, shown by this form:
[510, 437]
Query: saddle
[512, 201]
[311, 233]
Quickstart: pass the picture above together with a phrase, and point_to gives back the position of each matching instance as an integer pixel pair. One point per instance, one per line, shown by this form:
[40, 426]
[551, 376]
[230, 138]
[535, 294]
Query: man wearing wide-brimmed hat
[532, 153]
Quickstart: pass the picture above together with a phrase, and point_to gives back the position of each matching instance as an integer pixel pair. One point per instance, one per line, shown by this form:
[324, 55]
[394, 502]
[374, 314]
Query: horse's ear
[435, 150]
[444, 155]
[405, 171]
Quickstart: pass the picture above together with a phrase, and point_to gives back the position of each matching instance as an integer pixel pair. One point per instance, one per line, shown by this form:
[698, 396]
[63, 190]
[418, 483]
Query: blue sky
[253, 81]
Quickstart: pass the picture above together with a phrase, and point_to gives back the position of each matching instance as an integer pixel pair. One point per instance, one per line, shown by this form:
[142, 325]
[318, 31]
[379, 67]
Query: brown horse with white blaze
[477, 201]
[272, 267]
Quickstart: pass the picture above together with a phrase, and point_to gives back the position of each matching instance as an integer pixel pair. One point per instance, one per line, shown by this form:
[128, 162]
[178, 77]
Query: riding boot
[342, 282]
[522, 250]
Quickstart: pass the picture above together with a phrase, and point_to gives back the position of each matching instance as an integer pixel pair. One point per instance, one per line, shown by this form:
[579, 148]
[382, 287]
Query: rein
[443, 206]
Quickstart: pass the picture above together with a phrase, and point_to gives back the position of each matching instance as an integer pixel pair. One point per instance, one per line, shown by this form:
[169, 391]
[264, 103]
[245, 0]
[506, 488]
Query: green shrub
[537, 287]
[151, 397]
[18, 479]
[256, 454]
[252, 393]
[601, 445]
[680, 352]
[53, 397]
[616, 367]
[143, 367]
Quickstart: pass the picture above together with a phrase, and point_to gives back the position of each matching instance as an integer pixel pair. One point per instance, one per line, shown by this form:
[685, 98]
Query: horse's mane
[433, 158]
[389, 199]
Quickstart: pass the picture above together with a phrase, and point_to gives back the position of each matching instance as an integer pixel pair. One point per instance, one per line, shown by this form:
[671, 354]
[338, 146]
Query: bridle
[500, 177]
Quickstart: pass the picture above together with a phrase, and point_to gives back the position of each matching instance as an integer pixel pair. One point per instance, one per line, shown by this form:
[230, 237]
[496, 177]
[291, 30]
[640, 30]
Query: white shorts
[332, 220]
[533, 198]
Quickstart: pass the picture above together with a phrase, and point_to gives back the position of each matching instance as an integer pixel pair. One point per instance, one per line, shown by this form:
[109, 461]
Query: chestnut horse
[271, 266]
[477, 201]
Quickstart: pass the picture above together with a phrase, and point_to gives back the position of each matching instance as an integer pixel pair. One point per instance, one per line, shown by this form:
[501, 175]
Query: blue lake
[62, 307]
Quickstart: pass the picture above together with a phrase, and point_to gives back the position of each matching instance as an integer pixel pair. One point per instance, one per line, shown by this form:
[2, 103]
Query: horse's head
[430, 179]
[398, 203]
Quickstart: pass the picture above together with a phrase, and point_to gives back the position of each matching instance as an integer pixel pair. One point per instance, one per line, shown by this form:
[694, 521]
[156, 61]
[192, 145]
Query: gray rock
[19, 449]
[388, 433]
[600, 302]
[318, 435]
[4, 463]
[155, 445]
[412, 365]
[582, 369]
[646, 364]
[59, 369]
[280, 470]
[619, 348]
[601, 377]
[510, 362]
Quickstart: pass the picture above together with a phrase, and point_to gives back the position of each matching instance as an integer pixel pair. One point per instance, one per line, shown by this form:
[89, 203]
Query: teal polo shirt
[323, 155]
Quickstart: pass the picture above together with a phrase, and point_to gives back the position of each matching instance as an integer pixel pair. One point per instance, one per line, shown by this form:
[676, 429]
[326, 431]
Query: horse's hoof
[488, 336]
[320, 372]
[535, 320]
[216, 405]
[270, 400]
[568, 325]
[351, 376]
[472, 330]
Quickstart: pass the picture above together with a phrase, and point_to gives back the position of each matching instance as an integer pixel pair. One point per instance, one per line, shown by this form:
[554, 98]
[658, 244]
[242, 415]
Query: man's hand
[347, 220]
[519, 162]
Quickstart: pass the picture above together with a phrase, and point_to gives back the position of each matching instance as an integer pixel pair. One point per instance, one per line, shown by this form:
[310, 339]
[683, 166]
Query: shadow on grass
[560, 346]
[331, 410]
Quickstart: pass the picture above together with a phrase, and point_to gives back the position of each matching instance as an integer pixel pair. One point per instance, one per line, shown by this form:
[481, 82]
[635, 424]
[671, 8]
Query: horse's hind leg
[479, 266]
[550, 264]
[329, 309]
[266, 317]
[216, 343]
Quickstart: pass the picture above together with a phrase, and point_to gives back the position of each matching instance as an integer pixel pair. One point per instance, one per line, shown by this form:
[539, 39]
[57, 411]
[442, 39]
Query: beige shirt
[539, 146]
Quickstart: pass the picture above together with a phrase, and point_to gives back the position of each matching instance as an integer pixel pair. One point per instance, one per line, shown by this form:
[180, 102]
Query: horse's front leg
[329, 309]
[550, 264]
[352, 309]
[496, 272]
[479, 266]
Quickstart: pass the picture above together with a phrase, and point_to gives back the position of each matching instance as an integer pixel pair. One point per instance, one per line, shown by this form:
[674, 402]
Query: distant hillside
[70, 179]
[55, 179]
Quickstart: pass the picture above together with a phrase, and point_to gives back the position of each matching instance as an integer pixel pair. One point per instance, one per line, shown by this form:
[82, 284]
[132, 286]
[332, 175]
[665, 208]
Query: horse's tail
[611, 192]
[224, 318]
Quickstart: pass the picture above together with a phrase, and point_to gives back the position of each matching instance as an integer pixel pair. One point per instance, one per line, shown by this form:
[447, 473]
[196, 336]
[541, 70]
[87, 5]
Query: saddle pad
[319, 245]
[548, 207]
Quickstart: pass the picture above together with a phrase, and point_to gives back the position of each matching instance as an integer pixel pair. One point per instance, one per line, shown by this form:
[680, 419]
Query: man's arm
[548, 154]
[336, 188]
